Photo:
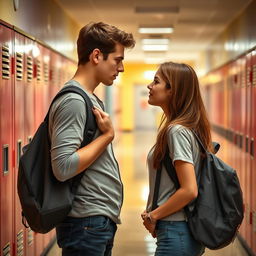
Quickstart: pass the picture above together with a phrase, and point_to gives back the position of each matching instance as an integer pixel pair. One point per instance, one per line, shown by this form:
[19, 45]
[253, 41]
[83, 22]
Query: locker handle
[247, 144]
[19, 152]
[241, 141]
[252, 147]
[6, 159]
[29, 139]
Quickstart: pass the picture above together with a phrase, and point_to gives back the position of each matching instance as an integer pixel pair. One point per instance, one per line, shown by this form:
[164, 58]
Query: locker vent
[19, 66]
[248, 76]
[7, 250]
[46, 72]
[20, 246]
[30, 236]
[243, 79]
[5, 62]
[38, 71]
[254, 75]
[29, 69]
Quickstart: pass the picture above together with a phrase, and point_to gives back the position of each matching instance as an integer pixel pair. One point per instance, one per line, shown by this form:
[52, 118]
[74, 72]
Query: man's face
[109, 69]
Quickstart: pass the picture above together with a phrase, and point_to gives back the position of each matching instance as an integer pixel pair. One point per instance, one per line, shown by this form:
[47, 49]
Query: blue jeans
[175, 239]
[89, 236]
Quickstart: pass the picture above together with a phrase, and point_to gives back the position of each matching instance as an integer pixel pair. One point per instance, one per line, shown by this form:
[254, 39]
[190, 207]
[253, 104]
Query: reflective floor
[131, 238]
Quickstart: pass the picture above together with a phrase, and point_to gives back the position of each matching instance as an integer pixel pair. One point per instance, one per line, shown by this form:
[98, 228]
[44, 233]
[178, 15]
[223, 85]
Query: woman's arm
[187, 192]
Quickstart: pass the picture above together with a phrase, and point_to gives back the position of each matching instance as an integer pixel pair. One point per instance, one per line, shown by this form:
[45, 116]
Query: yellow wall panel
[133, 75]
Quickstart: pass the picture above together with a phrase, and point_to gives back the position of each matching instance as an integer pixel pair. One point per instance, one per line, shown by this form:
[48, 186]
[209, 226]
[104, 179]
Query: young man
[91, 225]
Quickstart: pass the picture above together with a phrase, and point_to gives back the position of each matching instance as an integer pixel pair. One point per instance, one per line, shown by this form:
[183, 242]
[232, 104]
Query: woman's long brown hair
[186, 107]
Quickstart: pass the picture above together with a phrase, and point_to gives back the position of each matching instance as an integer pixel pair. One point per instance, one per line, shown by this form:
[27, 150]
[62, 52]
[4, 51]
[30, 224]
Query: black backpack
[46, 201]
[216, 214]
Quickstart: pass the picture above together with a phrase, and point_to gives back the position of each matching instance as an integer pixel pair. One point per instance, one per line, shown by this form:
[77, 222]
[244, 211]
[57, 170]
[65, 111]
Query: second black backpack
[46, 201]
[216, 214]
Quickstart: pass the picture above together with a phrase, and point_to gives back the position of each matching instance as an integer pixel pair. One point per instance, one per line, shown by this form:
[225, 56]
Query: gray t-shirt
[101, 190]
[182, 146]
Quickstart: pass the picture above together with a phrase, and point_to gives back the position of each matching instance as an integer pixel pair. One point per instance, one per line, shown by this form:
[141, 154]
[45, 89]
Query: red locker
[46, 103]
[253, 150]
[39, 115]
[6, 141]
[229, 112]
[248, 161]
[54, 67]
[38, 75]
[29, 119]
[241, 139]
[234, 115]
[19, 43]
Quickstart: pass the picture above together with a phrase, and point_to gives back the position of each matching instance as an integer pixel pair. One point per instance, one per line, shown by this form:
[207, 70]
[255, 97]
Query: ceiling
[196, 22]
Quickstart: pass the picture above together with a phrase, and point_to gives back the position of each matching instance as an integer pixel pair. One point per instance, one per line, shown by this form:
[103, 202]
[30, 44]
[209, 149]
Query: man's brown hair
[102, 36]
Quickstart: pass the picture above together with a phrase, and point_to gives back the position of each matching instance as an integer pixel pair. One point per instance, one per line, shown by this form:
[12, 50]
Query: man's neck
[85, 77]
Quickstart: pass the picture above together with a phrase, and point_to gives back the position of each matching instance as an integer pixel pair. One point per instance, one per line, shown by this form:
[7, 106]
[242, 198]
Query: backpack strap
[156, 189]
[90, 125]
[167, 162]
[216, 145]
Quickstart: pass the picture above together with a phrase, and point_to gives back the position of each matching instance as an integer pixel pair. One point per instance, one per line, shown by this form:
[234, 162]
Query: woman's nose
[149, 86]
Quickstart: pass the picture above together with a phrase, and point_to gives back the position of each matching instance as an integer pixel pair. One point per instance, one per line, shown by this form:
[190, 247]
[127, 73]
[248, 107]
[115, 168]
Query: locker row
[230, 98]
[31, 74]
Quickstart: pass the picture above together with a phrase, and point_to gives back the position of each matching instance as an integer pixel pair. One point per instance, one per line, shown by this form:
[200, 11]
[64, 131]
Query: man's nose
[121, 67]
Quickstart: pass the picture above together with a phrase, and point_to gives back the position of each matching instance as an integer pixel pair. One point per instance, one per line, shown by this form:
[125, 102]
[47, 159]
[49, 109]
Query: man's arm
[67, 134]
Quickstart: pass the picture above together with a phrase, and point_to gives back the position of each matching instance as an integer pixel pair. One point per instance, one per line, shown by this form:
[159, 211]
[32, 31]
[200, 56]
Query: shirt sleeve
[180, 144]
[67, 135]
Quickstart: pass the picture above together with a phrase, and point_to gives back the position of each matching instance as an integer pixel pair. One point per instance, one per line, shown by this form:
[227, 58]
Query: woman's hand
[149, 223]
[104, 122]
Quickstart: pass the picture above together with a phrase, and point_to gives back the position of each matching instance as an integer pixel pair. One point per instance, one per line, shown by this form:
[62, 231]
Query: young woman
[176, 90]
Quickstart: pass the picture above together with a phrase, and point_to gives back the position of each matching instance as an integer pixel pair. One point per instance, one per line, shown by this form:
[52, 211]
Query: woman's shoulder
[179, 129]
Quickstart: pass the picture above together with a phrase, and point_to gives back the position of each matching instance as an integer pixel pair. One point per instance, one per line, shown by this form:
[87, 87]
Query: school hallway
[132, 239]
[38, 55]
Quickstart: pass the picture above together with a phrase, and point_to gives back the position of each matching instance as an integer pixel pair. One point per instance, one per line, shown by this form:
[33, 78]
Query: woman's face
[159, 95]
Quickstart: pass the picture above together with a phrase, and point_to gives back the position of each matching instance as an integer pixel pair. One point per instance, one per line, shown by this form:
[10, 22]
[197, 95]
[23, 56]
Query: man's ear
[96, 55]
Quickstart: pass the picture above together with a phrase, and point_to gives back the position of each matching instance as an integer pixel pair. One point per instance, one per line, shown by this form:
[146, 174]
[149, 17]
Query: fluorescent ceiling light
[155, 47]
[155, 30]
[153, 60]
[155, 41]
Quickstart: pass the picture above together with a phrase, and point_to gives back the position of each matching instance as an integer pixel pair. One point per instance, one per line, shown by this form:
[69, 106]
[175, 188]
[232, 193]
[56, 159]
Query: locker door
[46, 104]
[248, 161]
[18, 136]
[38, 75]
[54, 66]
[6, 141]
[253, 150]
[29, 120]
[229, 114]
[241, 140]
[39, 115]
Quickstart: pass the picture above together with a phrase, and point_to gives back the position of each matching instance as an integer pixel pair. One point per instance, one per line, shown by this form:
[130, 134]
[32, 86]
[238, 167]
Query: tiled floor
[131, 238]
